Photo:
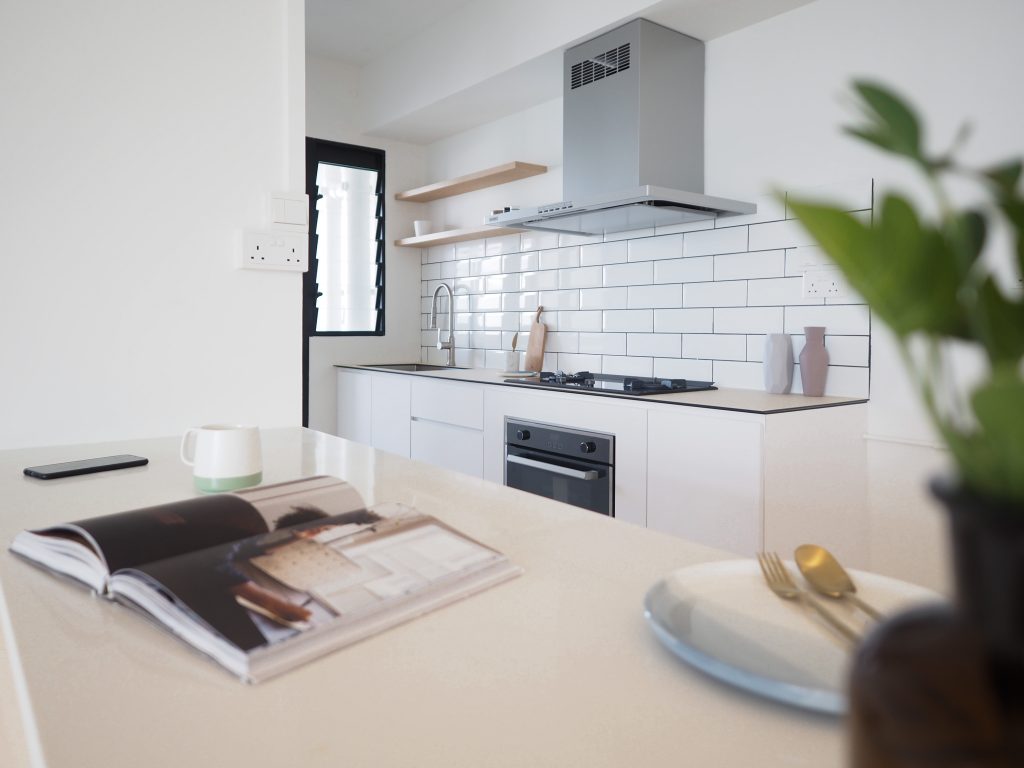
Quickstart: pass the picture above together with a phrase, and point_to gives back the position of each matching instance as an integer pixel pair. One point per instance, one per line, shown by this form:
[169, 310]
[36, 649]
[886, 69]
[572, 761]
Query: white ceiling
[431, 68]
[358, 31]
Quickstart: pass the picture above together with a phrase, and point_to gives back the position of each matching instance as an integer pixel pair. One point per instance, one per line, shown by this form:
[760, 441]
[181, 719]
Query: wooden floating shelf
[455, 236]
[471, 182]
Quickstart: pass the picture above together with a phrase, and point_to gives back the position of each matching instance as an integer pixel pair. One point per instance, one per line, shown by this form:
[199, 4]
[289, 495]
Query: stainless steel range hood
[633, 137]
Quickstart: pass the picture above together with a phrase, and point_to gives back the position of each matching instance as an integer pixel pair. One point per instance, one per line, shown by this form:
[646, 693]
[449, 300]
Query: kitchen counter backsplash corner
[689, 301]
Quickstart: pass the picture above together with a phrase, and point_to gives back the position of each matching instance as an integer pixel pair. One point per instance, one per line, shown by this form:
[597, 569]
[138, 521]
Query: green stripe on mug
[219, 484]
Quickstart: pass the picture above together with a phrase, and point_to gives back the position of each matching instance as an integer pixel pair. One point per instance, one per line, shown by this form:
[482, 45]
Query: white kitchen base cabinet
[704, 477]
[373, 409]
[451, 447]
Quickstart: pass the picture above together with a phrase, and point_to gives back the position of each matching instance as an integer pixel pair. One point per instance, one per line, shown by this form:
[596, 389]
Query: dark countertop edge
[615, 395]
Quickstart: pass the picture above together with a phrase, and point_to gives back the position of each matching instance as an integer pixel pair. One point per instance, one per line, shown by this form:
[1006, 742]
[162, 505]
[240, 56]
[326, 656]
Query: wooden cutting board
[535, 348]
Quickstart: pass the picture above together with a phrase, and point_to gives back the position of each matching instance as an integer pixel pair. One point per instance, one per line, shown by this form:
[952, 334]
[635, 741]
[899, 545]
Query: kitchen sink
[415, 367]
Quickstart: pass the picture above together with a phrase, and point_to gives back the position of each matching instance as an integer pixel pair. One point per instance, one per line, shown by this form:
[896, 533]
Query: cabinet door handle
[578, 474]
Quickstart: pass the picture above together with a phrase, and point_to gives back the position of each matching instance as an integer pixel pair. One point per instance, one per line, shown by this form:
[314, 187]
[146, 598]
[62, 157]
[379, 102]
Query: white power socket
[275, 250]
[824, 283]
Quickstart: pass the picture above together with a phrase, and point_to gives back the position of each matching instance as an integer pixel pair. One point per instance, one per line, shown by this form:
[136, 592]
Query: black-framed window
[344, 288]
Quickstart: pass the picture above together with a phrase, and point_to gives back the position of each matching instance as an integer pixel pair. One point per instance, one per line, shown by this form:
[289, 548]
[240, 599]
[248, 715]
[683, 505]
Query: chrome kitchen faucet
[450, 344]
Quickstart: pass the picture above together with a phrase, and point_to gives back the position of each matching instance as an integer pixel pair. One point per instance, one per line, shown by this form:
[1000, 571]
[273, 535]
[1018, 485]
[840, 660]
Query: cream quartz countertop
[746, 400]
[554, 668]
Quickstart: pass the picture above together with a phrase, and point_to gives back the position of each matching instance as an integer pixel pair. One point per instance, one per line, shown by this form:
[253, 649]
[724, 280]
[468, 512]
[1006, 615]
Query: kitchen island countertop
[554, 668]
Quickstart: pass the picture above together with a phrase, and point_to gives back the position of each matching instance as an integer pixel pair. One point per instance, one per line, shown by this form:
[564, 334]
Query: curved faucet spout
[450, 343]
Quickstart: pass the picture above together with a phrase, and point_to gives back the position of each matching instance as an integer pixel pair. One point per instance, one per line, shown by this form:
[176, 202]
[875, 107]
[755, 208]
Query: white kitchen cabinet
[451, 447]
[704, 477]
[447, 424]
[354, 398]
[373, 408]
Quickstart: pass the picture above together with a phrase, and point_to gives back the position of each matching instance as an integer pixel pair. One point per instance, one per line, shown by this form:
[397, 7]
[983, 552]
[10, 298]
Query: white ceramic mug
[422, 227]
[223, 457]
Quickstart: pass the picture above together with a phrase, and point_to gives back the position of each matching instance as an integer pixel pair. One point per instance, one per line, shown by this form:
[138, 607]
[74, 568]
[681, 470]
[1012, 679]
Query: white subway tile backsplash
[692, 270]
[715, 346]
[629, 320]
[684, 320]
[545, 280]
[749, 320]
[560, 258]
[689, 301]
[654, 296]
[519, 262]
[840, 320]
[496, 246]
[470, 249]
[533, 240]
[728, 373]
[523, 301]
[484, 302]
[627, 366]
[603, 298]
[808, 256]
[769, 208]
[653, 344]
[501, 283]
[485, 339]
[714, 241]
[778, 291]
[638, 273]
[570, 362]
[672, 368]
[603, 343]
[602, 253]
[578, 321]
[561, 341]
[552, 300]
[778, 234]
[728, 294]
[581, 277]
[850, 195]
[742, 266]
[661, 247]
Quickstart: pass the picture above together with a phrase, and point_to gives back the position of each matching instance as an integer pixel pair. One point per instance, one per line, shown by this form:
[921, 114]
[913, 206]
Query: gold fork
[782, 584]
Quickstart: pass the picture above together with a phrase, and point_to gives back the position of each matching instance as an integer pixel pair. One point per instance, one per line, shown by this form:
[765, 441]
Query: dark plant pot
[945, 686]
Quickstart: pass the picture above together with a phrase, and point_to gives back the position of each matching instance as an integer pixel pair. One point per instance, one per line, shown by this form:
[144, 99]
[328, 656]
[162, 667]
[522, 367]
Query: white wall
[137, 140]
[334, 112]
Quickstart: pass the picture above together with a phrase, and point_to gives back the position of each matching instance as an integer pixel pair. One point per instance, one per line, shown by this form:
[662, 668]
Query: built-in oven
[571, 465]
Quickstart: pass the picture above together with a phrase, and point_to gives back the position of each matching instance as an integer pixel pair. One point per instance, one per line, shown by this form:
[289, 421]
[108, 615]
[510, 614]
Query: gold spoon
[826, 575]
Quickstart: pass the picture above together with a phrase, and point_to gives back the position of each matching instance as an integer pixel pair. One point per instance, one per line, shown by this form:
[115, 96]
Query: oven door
[580, 483]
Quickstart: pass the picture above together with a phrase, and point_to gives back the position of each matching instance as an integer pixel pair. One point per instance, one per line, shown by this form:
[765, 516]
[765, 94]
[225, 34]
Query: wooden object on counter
[490, 177]
[535, 348]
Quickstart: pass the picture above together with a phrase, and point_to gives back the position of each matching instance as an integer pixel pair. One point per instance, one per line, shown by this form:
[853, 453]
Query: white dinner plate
[722, 619]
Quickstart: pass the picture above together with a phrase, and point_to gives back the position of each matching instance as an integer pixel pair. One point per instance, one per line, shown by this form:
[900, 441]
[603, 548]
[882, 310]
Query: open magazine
[265, 579]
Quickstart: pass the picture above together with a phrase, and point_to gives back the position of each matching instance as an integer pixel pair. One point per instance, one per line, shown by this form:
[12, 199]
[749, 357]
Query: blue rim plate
[721, 619]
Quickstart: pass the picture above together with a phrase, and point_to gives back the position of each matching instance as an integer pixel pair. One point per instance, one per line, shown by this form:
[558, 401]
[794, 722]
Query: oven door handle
[578, 474]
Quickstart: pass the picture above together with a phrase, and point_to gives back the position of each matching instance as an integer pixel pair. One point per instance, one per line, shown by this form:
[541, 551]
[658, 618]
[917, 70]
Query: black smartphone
[84, 466]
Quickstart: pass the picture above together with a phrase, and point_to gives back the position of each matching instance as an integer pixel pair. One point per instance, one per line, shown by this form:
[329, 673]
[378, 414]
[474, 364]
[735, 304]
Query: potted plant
[925, 277]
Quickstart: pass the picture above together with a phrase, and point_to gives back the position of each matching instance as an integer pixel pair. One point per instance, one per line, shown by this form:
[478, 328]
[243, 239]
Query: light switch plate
[275, 250]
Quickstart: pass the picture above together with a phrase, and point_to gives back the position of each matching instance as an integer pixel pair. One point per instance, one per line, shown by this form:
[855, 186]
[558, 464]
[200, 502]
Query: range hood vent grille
[600, 66]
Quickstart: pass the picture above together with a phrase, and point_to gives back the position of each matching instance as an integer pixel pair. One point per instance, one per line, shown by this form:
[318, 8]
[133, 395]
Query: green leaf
[999, 323]
[1006, 175]
[905, 271]
[892, 123]
[997, 450]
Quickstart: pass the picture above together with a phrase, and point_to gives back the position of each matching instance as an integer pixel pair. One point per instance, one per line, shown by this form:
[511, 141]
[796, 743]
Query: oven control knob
[588, 447]
[522, 434]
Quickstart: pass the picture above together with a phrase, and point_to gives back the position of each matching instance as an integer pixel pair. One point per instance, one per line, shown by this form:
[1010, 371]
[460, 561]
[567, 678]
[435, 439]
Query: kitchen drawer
[455, 403]
[442, 445]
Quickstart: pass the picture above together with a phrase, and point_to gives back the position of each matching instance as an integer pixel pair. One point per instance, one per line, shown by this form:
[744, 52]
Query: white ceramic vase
[778, 363]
